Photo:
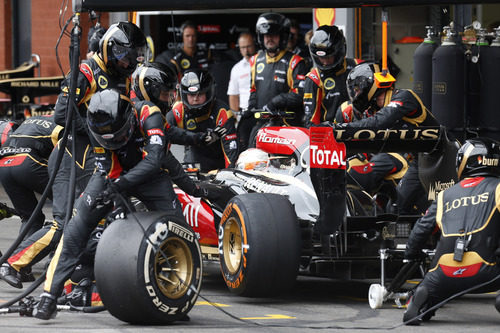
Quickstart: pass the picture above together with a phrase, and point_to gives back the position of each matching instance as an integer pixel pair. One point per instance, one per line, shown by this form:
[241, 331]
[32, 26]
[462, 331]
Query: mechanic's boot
[11, 276]
[414, 307]
[497, 302]
[47, 307]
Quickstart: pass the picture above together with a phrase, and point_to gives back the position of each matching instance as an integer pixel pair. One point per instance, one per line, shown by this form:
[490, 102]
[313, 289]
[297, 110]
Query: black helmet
[328, 42]
[197, 81]
[273, 24]
[122, 47]
[362, 88]
[111, 118]
[478, 157]
[150, 80]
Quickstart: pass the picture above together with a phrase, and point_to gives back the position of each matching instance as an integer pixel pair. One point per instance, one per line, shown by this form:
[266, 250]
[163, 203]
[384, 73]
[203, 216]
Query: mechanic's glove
[210, 137]
[200, 137]
[220, 131]
[413, 255]
[271, 109]
[112, 191]
[246, 114]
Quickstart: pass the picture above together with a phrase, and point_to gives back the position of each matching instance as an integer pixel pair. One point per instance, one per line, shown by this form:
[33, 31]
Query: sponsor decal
[487, 161]
[466, 201]
[324, 151]
[231, 136]
[155, 131]
[308, 95]
[279, 79]
[191, 124]
[437, 187]
[260, 68]
[191, 214]
[320, 53]
[387, 134]
[99, 150]
[395, 104]
[329, 83]
[102, 81]
[257, 185]
[280, 72]
[209, 29]
[233, 145]
[185, 63]
[300, 77]
[264, 137]
[155, 140]
[181, 231]
[459, 271]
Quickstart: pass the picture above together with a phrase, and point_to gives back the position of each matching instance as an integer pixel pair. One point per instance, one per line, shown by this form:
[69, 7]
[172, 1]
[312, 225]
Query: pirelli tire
[259, 245]
[148, 268]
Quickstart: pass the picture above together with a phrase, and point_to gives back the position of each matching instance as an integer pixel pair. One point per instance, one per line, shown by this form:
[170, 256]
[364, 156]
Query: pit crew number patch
[325, 152]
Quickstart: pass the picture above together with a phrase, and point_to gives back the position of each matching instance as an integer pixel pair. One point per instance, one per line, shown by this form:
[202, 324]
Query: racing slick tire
[259, 245]
[148, 268]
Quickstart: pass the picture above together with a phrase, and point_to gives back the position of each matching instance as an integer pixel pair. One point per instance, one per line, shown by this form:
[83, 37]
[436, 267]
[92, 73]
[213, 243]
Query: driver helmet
[253, 159]
[111, 118]
[157, 83]
[122, 48]
[197, 82]
[362, 88]
[478, 157]
[273, 23]
[328, 44]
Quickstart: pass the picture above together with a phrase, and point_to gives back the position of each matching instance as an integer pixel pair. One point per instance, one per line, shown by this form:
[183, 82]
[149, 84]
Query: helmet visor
[116, 140]
[126, 58]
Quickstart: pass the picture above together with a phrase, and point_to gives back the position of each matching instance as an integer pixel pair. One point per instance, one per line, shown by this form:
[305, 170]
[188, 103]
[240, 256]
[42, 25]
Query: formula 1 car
[285, 210]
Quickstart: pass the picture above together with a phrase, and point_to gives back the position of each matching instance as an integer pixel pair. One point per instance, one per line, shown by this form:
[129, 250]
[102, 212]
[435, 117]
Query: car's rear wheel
[259, 244]
[148, 268]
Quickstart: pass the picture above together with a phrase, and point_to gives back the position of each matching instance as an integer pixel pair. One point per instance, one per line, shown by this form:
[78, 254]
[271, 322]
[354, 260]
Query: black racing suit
[92, 77]
[217, 155]
[183, 62]
[403, 109]
[138, 168]
[6, 129]
[469, 211]
[371, 172]
[23, 169]
[324, 92]
[276, 82]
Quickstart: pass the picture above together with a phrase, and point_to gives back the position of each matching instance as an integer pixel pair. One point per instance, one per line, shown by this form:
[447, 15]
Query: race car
[273, 221]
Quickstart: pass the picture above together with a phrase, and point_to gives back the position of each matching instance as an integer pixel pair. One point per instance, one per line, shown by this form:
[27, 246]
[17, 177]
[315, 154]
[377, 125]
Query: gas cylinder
[448, 84]
[422, 67]
[489, 64]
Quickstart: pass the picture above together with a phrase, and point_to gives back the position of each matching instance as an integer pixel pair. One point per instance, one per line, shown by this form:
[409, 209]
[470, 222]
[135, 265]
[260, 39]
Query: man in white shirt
[239, 83]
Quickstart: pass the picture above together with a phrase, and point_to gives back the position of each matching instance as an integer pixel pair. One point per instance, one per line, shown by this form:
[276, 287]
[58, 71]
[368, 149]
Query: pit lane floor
[314, 304]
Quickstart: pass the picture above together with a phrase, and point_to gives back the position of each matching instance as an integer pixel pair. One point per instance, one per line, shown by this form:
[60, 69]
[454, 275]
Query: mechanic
[130, 155]
[296, 43]
[277, 77]
[468, 217]
[391, 108]
[200, 111]
[189, 55]
[238, 89]
[120, 49]
[325, 89]
[23, 172]
[6, 129]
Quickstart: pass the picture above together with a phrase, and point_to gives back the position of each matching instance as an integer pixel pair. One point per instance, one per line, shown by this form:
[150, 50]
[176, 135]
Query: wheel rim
[174, 273]
[232, 245]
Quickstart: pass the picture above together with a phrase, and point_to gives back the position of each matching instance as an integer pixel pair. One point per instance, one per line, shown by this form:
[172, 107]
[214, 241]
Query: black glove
[413, 255]
[112, 191]
[246, 114]
[213, 135]
[271, 109]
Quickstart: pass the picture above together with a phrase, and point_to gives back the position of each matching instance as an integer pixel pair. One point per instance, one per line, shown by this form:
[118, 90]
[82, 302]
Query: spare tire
[259, 244]
[148, 268]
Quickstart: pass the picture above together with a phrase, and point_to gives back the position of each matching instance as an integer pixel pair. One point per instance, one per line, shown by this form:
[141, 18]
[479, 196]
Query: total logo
[327, 158]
